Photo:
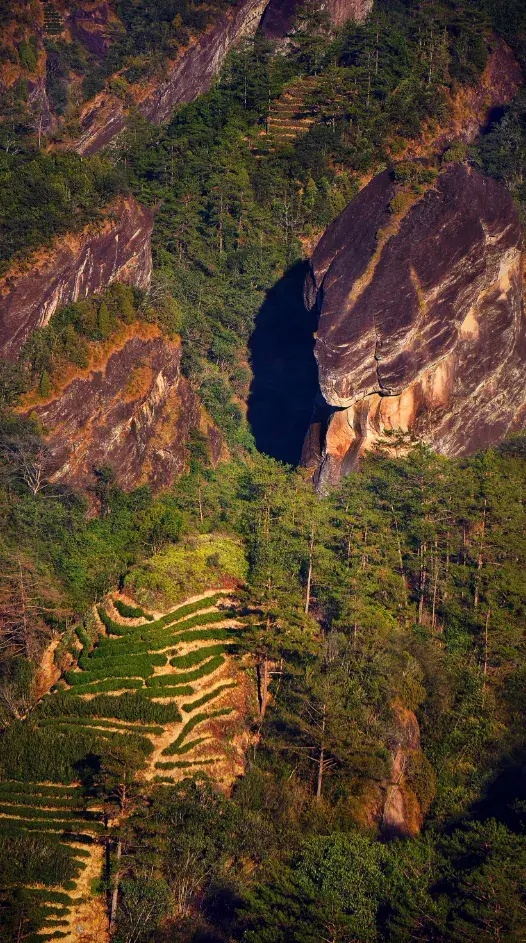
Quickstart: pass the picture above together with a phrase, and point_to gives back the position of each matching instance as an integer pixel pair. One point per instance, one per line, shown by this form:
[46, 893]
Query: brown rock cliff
[191, 74]
[119, 249]
[421, 323]
[279, 16]
[131, 410]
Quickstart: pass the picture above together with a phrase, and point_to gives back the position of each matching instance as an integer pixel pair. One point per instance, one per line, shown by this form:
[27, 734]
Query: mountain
[421, 317]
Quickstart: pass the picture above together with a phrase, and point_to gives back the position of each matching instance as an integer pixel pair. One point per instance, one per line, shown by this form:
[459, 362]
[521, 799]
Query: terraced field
[167, 681]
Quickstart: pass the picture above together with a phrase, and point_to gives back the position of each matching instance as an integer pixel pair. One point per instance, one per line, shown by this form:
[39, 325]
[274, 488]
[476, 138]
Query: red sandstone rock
[78, 266]
[279, 16]
[132, 411]
[421, 321]
[191, 74]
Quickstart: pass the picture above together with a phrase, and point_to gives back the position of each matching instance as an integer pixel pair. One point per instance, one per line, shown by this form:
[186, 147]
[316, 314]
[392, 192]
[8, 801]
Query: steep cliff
[421, 319]
[131, 410]
[188, 76]
[119, 249]
[279, 16]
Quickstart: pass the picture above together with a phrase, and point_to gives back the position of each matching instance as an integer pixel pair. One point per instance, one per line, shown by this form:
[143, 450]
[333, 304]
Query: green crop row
[48, 937]
[184, 764]
[208, 668]
[188, 727]
[75, 678]
[53, 911]
[129, 706]
[110, 684]
[206, 698]
[147, 639]
[187, 747]
[13, 785]
[36, 801]
[183, 690]
[125, 661]
[59, 826]
[191, 659]
[115, 628]
[29, 812]
[54, 897]
[131, 612]
[100, 722]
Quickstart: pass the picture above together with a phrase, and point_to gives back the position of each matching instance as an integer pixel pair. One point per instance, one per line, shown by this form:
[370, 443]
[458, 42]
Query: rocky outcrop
[279, 16]
[79, 265]
[472, 106]
[421, 320]
[130, 410]
[191, 74]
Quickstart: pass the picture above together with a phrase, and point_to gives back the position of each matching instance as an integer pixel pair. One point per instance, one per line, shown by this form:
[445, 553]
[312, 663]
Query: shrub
[188, 727]
[206, 698]
[152, 640]
[131, 612]
[127, 706]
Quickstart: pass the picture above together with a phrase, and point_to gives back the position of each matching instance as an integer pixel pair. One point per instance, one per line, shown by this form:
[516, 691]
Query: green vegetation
[392, 605]
[195, 658]
[206, 698]
[45, 195]
[188, 727]
[187, 569]
[131, 612]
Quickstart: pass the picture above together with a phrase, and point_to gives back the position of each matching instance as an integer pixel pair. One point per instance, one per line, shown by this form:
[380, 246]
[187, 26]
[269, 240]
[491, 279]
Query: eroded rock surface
[132, 410]
[79, 265]
[191, 74]
[279, 15]
[421, 320]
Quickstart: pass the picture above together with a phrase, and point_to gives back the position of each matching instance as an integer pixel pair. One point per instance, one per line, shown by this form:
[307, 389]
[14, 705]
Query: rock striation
[187, 77]
[130, 410]
[279, 16]
[79, 265]
[421, 320]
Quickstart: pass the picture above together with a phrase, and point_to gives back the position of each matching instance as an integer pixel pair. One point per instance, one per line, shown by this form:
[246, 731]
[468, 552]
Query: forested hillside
[237, 704]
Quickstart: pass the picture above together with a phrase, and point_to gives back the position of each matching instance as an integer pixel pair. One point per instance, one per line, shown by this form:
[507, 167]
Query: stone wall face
[421, 320]
[78, 266]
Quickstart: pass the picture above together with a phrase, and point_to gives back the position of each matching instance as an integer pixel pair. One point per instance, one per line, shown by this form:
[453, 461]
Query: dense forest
[376, 630]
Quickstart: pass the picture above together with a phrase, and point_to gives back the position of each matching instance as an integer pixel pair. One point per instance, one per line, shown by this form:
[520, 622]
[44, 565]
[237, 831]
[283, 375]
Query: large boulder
[78, 265]
[421, 320]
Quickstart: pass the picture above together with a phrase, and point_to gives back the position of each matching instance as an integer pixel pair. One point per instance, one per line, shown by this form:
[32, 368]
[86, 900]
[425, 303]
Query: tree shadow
[285, 379]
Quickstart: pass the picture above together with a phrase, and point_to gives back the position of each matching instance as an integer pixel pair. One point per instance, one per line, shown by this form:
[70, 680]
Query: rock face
[132, 410]
[279, 15]
[421, 321]
[78, 266]
[191, 74]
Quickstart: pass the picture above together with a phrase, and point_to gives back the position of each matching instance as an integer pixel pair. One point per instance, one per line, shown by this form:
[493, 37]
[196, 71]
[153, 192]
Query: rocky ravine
[79, 265]
[131, 410]
[421, 322]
